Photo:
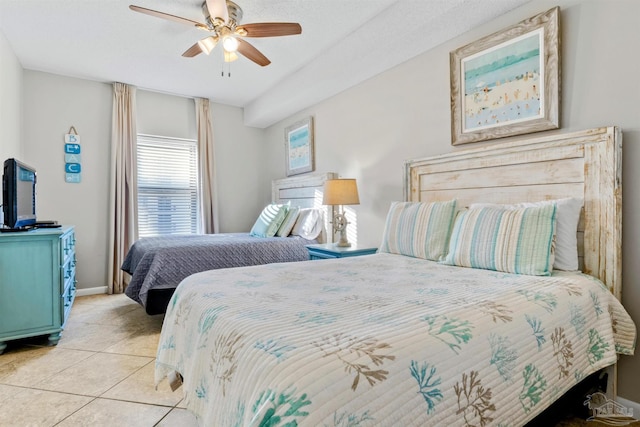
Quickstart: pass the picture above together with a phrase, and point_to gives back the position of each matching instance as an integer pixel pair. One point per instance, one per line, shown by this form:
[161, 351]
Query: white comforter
[384, 340]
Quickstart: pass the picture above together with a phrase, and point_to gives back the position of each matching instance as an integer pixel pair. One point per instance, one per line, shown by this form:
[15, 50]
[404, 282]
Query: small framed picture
[299, 147]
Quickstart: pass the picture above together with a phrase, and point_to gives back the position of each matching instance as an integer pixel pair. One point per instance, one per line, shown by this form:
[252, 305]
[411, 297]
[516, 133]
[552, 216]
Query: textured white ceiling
[343, 42]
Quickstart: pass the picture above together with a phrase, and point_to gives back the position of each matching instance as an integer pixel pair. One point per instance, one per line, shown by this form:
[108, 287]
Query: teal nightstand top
[331, 250]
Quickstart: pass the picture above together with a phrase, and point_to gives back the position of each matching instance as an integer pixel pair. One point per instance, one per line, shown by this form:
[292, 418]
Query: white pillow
[567, 217]
[309, 224]
[289, 222]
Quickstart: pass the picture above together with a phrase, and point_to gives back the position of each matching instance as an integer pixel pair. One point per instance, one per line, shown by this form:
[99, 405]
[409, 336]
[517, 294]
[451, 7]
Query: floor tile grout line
[49, 391]
[124, 379]
[175, 407]
[64, 369]
[101, 396]
[43, 382]
[94, 398]
[137, 402]
[80, 408]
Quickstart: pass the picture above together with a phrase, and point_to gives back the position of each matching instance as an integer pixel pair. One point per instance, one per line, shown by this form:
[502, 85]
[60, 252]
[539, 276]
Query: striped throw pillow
[567, 218]
[289, 222]
[269, 220]
[418, 229]
[517, 241]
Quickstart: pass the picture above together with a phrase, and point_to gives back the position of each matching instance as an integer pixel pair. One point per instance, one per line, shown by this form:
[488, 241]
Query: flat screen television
[18, 194]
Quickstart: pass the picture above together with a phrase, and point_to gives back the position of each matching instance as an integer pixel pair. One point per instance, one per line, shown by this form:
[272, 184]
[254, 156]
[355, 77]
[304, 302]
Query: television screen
[18, 194]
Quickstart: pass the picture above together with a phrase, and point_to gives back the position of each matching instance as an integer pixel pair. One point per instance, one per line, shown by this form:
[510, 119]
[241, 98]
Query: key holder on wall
[72, 159]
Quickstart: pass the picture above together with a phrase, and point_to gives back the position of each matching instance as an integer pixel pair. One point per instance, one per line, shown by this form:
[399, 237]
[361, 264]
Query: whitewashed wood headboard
[305, 191]
[583, 164]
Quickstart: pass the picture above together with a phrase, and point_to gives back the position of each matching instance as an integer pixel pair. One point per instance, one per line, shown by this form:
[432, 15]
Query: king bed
[158, 264]
[442, 326]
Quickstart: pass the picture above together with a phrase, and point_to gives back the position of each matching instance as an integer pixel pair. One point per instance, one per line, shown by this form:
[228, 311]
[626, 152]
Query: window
[167, 186]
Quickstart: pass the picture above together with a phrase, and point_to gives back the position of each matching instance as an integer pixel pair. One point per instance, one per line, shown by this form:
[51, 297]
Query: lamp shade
[340, 192]
[207, 44]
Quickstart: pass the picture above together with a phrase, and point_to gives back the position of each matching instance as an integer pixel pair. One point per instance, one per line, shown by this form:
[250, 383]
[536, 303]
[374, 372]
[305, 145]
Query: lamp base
[343, 242]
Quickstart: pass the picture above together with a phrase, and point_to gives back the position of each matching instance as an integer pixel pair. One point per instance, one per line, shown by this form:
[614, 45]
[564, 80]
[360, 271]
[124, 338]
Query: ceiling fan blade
[167, 16]
[192, 51]
[250, 52]
[218, 9]
[271, 29]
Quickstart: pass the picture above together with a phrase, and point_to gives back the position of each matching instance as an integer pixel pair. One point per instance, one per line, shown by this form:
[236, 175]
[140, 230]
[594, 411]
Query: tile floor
[99, 374]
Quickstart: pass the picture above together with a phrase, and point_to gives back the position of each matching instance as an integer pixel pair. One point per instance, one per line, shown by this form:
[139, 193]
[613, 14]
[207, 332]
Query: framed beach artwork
[299, 147]
[507, 83]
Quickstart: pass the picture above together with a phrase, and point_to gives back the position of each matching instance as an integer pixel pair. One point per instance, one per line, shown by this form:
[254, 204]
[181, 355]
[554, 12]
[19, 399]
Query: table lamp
[340, 192]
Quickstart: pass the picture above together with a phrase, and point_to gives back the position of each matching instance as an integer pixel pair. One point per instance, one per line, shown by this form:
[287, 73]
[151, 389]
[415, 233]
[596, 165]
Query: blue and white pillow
[418, 229]
[567, 219]
[289, 221]
[519, 241]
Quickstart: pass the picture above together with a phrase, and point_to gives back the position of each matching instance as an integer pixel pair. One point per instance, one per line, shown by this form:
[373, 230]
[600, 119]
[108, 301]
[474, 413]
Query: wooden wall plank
[547, 172]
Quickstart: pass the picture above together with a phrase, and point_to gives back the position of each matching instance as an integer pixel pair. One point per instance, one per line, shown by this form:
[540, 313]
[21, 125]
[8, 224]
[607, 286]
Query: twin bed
[158, 264]
[410, 335]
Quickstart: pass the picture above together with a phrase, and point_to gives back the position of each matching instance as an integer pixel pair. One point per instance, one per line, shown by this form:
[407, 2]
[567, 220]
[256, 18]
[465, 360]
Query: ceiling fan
[222, 19]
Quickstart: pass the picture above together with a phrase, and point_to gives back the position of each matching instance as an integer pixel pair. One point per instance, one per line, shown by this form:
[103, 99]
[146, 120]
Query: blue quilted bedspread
[163, 262]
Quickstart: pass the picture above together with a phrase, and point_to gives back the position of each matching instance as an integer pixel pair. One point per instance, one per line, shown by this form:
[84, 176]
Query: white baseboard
[630, 404]
[83, 292]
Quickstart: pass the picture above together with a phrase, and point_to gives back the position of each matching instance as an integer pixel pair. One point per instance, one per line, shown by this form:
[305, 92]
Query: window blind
[167, 186]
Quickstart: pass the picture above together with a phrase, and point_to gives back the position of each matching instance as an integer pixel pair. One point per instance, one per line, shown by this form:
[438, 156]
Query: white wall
[165, 115]
[10, 102]
[367, 132]
[52, 104]
[243, 189]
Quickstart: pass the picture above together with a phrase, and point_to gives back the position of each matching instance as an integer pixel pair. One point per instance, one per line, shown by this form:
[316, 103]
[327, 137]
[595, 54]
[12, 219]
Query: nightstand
[330, 250]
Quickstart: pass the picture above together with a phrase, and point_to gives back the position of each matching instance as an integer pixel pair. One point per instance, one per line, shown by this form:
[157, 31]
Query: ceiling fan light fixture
[230, 56]
[207, 44]
[230, 44]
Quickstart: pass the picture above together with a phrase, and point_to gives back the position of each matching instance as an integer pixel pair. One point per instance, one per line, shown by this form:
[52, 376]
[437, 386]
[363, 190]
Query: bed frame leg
[610, 374]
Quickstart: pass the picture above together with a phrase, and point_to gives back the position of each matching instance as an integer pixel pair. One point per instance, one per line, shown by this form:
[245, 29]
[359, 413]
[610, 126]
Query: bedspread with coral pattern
[384, 340]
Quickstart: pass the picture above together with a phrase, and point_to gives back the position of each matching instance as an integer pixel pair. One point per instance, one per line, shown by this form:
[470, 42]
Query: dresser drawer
[69, 281]
[68, 246]
[67, 298]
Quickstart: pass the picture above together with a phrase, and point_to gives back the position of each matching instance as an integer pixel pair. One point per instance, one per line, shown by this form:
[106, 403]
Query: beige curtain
[207, 177]
[123, 197]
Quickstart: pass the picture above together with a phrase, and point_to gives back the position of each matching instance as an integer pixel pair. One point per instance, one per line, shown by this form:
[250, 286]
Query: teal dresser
[37, 283]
